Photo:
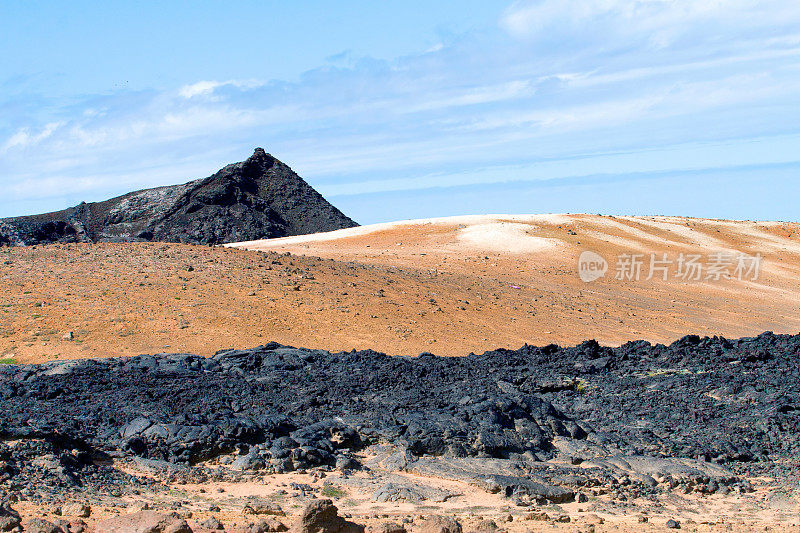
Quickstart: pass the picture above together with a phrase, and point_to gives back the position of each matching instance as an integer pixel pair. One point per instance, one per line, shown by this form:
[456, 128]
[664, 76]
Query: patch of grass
[333, 492]
[36, 316]
[580, 388]
[8, 361]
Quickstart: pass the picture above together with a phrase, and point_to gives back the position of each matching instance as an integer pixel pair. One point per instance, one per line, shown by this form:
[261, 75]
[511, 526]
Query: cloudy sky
[411, 109]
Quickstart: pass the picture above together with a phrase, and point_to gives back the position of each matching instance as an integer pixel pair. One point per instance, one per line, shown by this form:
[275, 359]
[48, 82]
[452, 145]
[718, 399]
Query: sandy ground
[448, 286]
[767, 509]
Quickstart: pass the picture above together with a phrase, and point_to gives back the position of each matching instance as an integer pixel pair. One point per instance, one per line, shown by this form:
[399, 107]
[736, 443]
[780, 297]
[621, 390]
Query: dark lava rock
[256, 199]
[673, 524]
[289, 408]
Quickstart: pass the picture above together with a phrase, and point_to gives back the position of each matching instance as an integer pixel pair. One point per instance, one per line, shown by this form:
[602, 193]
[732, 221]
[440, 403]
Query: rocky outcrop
[321, 516]
[9, 518]
[256, 199]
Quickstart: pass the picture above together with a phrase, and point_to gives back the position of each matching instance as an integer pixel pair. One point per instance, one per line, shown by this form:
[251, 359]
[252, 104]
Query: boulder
[390, 527]
[321, 516]
[211, 524]
[9, 518]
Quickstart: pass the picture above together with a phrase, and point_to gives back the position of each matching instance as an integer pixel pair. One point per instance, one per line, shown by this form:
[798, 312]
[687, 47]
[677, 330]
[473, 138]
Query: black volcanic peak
[255, 199]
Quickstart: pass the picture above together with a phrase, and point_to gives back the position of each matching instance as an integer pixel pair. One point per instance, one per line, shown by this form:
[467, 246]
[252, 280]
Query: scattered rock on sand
[485, 526]
[80, 510]
[439, 524]
[269, 524]
[38, 525]
[262, 507]
[144, 522]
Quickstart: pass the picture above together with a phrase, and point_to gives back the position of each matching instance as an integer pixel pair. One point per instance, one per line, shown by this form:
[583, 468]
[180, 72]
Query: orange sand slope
[449, 286]
[540, 253]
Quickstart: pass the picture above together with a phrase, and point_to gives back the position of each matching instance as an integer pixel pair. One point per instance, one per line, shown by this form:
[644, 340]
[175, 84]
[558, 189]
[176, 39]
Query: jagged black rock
[256, 199]
[733, 402]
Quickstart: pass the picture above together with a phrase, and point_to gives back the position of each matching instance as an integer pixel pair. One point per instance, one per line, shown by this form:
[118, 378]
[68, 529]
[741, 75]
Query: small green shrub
[333, 492]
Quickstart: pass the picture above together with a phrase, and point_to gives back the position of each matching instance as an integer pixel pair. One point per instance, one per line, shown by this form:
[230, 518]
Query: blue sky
[411, 109]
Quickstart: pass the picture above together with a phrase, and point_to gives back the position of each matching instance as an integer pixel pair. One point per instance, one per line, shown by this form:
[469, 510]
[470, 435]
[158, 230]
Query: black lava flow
[733, 402]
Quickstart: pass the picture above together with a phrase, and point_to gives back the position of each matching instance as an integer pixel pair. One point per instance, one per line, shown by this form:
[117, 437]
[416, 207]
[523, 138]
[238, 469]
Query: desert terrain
[608, 436]
[447, 286]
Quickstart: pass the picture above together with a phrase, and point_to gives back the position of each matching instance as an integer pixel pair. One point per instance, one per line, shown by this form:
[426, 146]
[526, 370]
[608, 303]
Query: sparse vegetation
[333, 492]
[8, 361]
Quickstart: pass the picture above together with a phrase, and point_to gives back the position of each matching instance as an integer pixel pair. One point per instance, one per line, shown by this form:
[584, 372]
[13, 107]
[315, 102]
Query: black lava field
[731, 402]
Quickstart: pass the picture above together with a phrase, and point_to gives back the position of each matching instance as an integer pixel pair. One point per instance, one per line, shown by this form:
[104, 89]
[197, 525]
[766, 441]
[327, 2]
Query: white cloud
[677, 158]
[23, 138]
[207, 87]
[659, 23]
[580, 78]
[476, 95]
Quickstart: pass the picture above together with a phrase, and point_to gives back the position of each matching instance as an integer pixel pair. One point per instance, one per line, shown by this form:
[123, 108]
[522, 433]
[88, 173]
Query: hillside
[448, 286]
[257, 198]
